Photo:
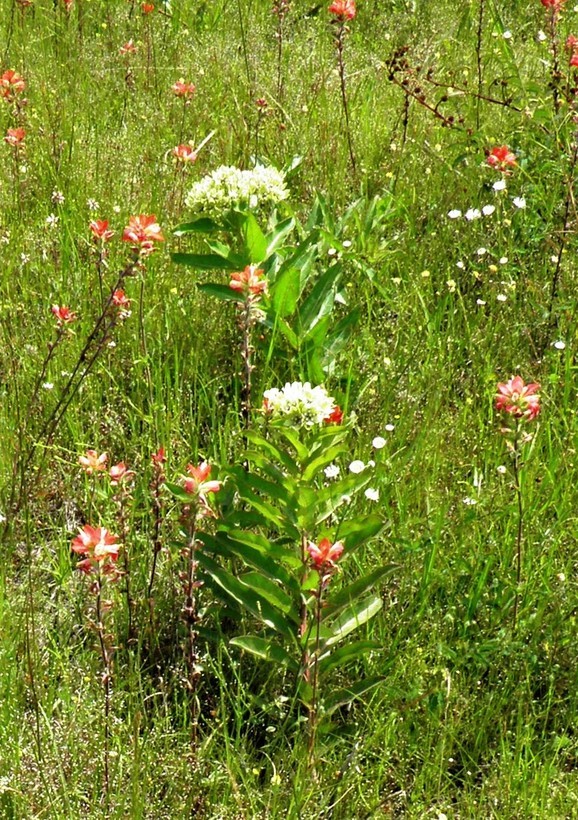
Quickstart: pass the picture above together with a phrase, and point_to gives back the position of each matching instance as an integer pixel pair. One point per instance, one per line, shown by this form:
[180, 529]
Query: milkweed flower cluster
[302, 405]
[228, 187]
[520, 400]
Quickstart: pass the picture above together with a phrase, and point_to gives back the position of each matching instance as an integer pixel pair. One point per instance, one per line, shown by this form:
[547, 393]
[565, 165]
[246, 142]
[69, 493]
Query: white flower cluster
[229, 187]
[299, 403]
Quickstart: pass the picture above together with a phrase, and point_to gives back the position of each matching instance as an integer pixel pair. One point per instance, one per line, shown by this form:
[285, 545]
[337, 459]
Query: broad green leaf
[201, 225]
[353, 617]
[204, 261]
[276, 237]
[178, 492]
[264, 560]
[255, 240]
[315, 466]
[345, 696]
[265, 649]
[285, 292]
[357, 530]
[346, 654]
[352, 592]
[319, 302]
[265, 445]
[254, 602]
[222, 292]
[267, 588]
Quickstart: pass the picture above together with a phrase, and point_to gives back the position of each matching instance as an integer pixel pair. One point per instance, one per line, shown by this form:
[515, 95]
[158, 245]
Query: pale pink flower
[184, 153]
[119, 473]
[142, 232]
[518, 399]
[198, 482]
[11, 84]
[128, 48]
[183, 89]
[15, 136]
[249, 281]
[325, 554]
[64, 316]
[100, 230]
[343, 9]
[92, 462]
[99, 546]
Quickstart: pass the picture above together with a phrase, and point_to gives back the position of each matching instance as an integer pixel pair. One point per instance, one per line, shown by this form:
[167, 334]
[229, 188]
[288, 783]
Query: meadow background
[474, 719]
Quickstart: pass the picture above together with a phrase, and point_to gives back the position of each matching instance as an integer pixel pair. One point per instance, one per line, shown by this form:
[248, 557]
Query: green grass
[473, 719]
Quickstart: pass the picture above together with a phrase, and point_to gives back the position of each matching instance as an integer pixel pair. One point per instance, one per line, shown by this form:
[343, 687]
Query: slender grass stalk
[520, 508]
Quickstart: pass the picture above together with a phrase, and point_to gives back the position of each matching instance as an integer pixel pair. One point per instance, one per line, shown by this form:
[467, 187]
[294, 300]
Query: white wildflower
[469, 502]
[58, 197]
[228, 187]
[390, 428]
[52, 220]
[299, 403]
[454, 213]
[482, 251]
[503, 260]
[92, 205]
[378, 443]
[519, 202]
[501, 297]
[473, 213]
[372, 494]
[500, 185]
[332, 471]
[356, 467]
[502, 470]
[560, 345]
[488, 210]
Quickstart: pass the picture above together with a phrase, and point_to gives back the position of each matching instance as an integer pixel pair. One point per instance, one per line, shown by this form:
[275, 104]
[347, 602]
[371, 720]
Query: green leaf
[265, 560]
[267, 446]
[222, 292]
[285, 292]
[317, 464]
[178, 492]
[255, 603]
[346, 654]
[267, 588]
[201, 225]
[255, 240]
[357, 530]
[319, 302]
[204, 261]
[265, 649]
[352, 592]
[276, 237]
[345, 696]
[354, 616]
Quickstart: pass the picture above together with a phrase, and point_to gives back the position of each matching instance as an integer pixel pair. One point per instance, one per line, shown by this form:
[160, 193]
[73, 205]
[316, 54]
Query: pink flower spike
[555, 5]
[119, 473]
[64, 316]
[325, 554]
[343, 9]
[198, 483]
[100, 230]
[501, 158]
[92, 462]
[142, 232]
[159, 457]
[11, 84]
[335, 417]
[183, 89]
[147, 8]
[15, 136]
[98, 545]
[518, 399]
[249, 281]
[128, 48]
[184, 153]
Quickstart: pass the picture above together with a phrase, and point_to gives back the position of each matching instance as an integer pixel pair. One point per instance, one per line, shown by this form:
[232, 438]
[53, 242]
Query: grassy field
[410, 274]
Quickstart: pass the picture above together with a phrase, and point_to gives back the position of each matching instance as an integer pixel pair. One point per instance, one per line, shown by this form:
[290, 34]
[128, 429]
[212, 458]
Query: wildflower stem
[519, 532]
[105, 655]
[340, 42]
[315, 682]
[479, 38]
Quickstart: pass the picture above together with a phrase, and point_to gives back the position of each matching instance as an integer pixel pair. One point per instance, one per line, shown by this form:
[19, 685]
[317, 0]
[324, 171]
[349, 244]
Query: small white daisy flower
[332, 471]
[488, 210]
[499, 185]
[519, 202]
[356, 466]
[378, 443]
[473, 213]
[454, 214]
[372, 494]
